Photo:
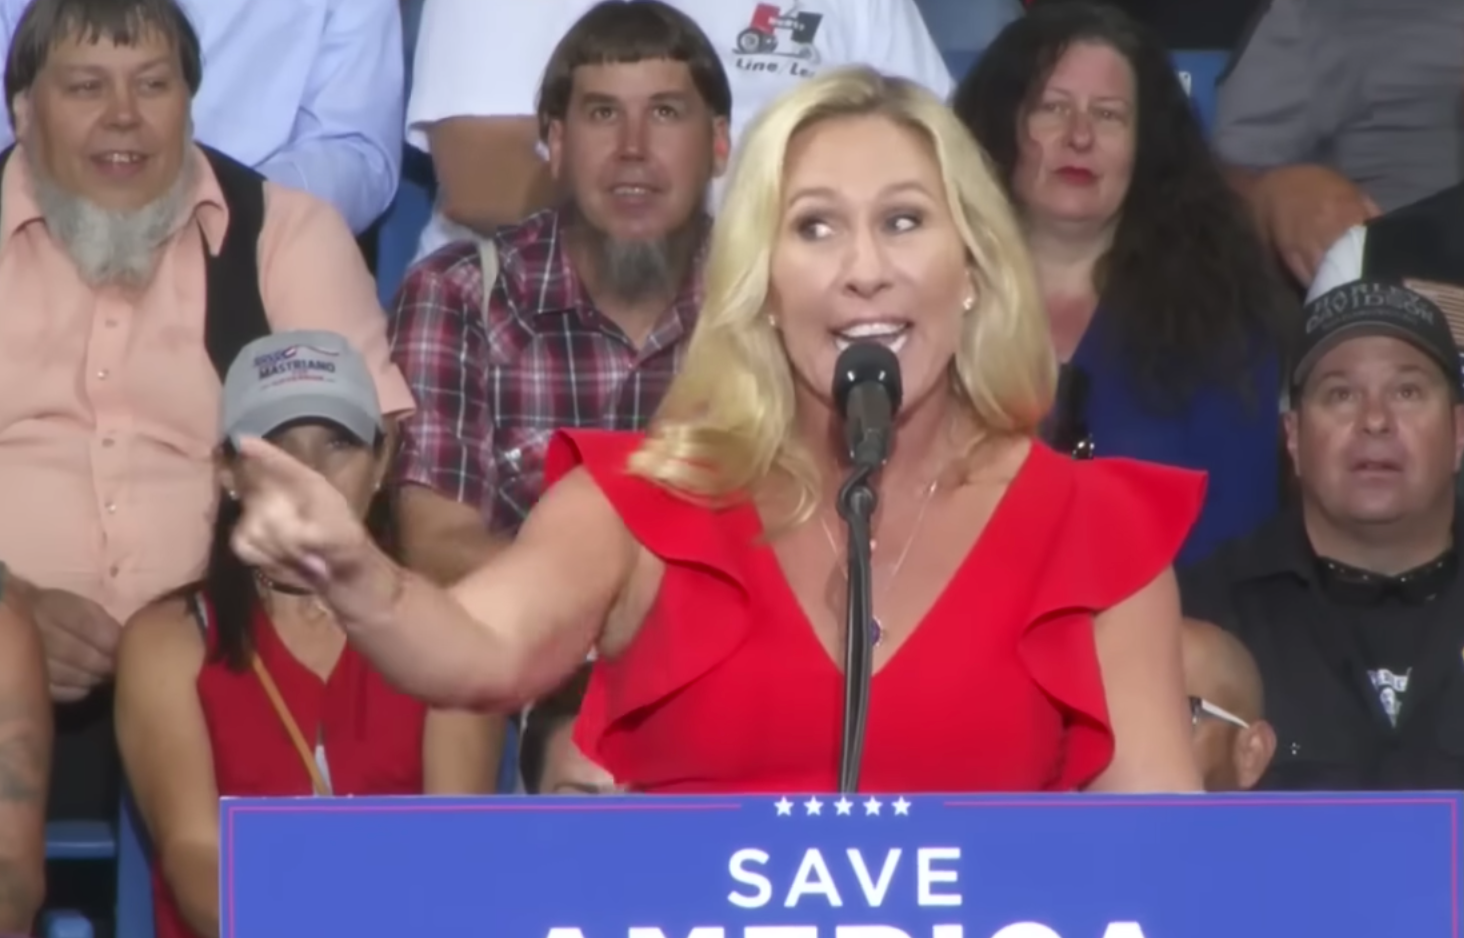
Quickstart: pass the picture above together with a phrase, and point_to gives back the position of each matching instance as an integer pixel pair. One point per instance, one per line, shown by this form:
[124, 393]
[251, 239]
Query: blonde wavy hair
[726, 424]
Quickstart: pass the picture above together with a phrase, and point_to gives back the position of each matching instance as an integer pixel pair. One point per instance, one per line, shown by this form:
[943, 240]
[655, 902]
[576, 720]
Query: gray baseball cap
[302, 375]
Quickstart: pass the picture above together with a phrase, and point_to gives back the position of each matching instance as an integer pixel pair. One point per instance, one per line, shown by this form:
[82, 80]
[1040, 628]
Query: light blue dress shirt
[308, 92]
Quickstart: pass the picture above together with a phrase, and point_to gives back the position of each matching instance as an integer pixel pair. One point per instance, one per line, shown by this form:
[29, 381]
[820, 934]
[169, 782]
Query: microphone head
[863, 362]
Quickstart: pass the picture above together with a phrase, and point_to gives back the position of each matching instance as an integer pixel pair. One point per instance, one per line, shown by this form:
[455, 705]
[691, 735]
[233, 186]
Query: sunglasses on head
[1201, 708]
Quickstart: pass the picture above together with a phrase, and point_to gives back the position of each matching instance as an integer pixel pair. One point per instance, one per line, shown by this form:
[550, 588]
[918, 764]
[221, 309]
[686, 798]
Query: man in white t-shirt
[479, 63]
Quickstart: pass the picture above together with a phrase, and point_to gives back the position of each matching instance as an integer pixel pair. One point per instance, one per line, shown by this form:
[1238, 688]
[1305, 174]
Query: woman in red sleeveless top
[1027, 616]
[243, 685]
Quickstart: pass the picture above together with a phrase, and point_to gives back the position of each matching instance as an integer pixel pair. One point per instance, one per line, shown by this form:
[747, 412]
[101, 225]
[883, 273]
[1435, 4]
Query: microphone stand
[857, 501]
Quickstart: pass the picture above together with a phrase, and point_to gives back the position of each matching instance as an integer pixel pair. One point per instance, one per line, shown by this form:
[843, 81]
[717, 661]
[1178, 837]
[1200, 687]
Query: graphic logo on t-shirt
[779, 42]
[1391, 689]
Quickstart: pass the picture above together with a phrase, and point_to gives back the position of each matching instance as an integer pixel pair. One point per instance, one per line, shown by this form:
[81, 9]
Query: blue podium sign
[1216, 866]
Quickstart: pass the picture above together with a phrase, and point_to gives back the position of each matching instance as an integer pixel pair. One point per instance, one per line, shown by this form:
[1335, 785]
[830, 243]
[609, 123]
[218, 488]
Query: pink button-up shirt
[109, 404]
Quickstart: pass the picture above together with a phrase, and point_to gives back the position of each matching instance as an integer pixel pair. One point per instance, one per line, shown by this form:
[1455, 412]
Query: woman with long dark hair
[1163, 304]
[244, 685]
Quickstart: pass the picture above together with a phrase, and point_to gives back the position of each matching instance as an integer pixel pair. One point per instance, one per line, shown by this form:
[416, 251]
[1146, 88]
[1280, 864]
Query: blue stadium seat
[80, 840]
[134, 874]
[396, 242]
[66, 925]
[1200, 70]
[98, 841]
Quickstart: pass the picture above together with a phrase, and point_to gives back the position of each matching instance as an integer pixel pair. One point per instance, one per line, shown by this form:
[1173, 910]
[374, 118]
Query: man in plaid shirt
[592, 302]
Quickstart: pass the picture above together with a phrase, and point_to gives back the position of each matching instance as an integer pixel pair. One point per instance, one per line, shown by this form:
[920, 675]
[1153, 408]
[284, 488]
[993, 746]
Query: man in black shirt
[1351, 602]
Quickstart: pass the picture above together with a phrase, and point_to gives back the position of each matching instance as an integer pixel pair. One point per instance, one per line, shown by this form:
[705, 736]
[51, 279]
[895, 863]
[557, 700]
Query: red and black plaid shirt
[490, 392]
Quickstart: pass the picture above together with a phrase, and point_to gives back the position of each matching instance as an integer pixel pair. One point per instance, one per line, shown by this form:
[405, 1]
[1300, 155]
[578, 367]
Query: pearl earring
[772, 320]
[969, 304]
[233, 495]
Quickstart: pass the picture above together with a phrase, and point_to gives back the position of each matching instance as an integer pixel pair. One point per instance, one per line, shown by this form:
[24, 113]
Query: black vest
[85, 777]
[1422, 241]
[233, 308]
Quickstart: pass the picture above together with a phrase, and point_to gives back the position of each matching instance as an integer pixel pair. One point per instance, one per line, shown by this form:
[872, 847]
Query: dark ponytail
[230, 586]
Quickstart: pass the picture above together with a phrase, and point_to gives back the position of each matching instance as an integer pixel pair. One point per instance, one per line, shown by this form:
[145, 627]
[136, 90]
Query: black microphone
[867, 392]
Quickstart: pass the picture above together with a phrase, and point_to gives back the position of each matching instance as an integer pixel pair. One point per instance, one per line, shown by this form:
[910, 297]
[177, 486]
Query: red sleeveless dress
[727, 689]
[371, 734]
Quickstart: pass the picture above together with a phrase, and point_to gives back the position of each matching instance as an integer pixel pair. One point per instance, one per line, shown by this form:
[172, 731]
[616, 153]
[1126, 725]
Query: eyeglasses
[1201, 708]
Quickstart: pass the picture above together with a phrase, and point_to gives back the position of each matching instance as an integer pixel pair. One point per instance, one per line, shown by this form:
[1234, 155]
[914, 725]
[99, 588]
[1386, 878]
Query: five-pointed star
[902, 806]
[784, 806]
[843, 806]
[871, 806]
[814, 806]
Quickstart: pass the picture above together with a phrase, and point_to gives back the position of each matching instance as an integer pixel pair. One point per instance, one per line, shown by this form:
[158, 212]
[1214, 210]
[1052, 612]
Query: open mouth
[120, 162]
[632, 191]
[892, 335]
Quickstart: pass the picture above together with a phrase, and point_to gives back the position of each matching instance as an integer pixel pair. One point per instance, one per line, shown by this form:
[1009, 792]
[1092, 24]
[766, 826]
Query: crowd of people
[1171, 499]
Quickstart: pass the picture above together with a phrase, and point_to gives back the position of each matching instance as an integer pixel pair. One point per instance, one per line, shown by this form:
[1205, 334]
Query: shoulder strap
[292, 729]
[234, 312]
[488, 259]
[234, 308]
[199, 607]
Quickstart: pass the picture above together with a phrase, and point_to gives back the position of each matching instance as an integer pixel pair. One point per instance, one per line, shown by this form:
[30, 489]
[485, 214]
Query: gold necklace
[876, 629]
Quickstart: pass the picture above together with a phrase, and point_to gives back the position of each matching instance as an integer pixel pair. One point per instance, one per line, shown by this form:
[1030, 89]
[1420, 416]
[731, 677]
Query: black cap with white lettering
[1368, 308]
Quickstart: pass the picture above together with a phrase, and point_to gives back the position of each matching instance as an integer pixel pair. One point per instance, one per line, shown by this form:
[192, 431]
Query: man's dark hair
[1194, 295]
[546, 716]
[616, 32]
[47, 23]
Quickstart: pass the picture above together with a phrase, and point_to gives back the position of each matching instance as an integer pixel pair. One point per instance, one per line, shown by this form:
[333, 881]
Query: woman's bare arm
[168, 757]
[511, 630]
[1143, 679]
[461, 753]
[515, 627]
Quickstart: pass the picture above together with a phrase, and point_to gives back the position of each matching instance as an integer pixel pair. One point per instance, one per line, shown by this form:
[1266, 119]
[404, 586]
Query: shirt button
[111, 323]
[111, 508]
[108, 442]
[102, 374]
[115, 570]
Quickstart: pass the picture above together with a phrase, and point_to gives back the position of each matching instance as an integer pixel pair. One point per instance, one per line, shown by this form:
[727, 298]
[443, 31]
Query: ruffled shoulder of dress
[699, 616]
[1090, 534]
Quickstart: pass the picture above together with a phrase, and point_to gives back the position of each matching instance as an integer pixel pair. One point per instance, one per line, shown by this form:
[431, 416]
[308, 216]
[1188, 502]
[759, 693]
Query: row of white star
[843, 806]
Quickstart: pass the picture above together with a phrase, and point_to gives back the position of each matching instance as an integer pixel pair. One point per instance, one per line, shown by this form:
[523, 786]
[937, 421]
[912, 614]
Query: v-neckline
[284, 651]
[789, 597]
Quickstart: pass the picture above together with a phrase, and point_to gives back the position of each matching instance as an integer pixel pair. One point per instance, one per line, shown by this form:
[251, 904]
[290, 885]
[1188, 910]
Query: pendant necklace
[876, 630]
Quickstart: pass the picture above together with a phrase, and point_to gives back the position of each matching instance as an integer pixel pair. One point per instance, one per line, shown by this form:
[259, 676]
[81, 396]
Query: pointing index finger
[274, 465]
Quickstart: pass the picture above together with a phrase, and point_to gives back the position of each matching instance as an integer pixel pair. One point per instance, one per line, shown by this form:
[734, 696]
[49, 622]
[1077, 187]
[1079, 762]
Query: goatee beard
[111, 247]
[633, 271]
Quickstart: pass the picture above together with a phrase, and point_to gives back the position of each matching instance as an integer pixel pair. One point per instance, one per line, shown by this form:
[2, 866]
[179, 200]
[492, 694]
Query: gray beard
[633, 271]
[112, 248]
